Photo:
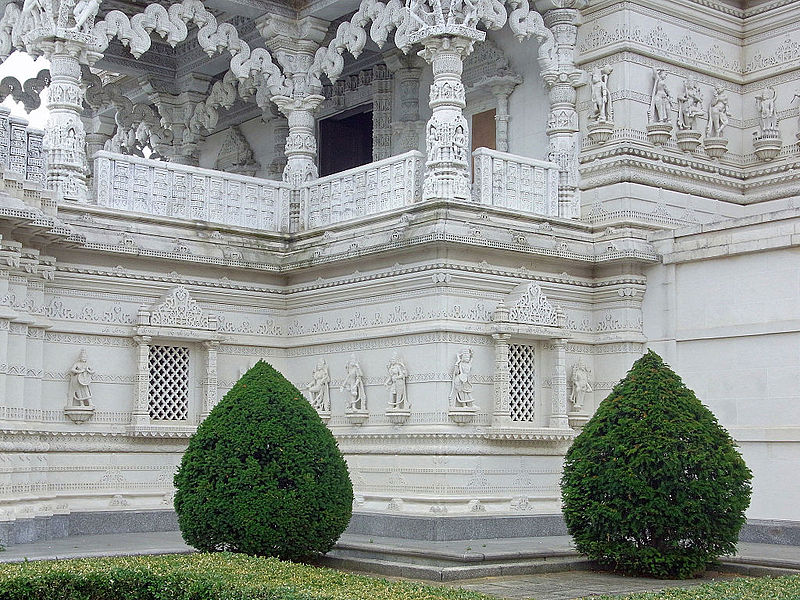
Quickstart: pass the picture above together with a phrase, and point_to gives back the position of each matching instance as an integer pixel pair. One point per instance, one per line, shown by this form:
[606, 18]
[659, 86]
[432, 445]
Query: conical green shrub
[654, 485]
[263, 475]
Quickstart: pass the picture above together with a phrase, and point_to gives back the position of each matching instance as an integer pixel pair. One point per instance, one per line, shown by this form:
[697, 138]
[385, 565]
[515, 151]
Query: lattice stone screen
[522, 374]
[169, 383]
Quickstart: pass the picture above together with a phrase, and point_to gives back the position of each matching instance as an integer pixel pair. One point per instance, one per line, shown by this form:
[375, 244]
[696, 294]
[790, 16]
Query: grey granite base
[771, 532]
[411, 527]
[457, 527]
[24, 531]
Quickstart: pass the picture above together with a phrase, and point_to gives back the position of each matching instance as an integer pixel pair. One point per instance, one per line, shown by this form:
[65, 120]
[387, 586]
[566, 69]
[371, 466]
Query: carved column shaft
[407, 126]
[210, 381]
[447, 131]
[558, 417]
[141, 414]
[65, 138]
[381, 113]
[301, 147]
[502, 117]
[562, 127]
[502, 381]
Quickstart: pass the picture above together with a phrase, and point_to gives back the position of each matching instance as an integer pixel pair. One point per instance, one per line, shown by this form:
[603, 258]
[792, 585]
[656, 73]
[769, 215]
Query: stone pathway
[572, 584]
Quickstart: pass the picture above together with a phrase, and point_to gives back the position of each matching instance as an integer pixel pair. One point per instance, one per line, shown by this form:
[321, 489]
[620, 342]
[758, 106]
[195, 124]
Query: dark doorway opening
[345, 141]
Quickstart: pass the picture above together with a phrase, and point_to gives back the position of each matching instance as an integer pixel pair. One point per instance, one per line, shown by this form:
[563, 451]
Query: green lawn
[762, 588]
[240, 577]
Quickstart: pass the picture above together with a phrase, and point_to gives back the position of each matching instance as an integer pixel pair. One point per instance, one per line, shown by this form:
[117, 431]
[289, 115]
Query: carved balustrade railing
[515, 182]
[21, 148]
[166, 189]
[374, 188]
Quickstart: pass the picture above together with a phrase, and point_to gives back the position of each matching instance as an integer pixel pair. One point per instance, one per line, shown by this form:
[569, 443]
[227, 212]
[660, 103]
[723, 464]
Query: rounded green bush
[263, 475]
[654, 485]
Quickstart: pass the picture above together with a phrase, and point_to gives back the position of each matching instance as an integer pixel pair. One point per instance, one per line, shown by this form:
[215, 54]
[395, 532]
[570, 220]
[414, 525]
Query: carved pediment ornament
[177, 309]
[527, 305]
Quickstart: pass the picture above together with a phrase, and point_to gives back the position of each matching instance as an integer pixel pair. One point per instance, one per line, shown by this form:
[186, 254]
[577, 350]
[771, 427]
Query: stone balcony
[139, 185]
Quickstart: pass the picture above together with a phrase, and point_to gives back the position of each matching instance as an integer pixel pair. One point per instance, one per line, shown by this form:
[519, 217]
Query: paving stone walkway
[549, 586]
[572, 584]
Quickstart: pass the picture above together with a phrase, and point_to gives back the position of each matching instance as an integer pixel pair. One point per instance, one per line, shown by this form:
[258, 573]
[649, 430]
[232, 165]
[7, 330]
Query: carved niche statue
[319, 387]
[767, 140]
[602, 109]
[767, 116]
[690, 104]
[461, 387]
[354, 384]
[660, 99]
[718, 115]
[396, 382]
[80, 378]
[580, 386]
[79, 402]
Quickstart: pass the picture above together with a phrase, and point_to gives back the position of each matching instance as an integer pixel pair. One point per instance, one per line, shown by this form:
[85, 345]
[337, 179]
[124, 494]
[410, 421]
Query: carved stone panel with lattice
[168, 398]
[522, 384]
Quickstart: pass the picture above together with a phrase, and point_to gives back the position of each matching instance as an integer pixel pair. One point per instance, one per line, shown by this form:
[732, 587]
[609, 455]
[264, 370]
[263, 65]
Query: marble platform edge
[50, 527]
[771, 531]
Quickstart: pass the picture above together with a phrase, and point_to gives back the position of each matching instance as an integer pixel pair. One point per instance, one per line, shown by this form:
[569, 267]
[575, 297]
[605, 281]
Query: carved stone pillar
[99, 129]
[301, 142]
[381, 113]
[65, 138]
[558, 417]
[141, 390]
[562, 126]
[176, 112]
[502, 380]
[501, 93]
[407, 127]
[210, 381]
[447, 131]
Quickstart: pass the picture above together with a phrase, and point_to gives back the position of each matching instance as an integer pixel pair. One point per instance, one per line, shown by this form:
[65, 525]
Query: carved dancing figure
[602, 109]
[717, 113]
[354, 384]
[80, 378]
[580, 385]
[28, 11]
[461, 388]
[396, 382]
[661, 99]
[84, 11]
[690, 104]
[767, 117]
[320, 387]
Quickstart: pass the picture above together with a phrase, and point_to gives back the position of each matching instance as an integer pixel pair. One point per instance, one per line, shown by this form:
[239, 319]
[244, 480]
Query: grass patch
[219, 576]
[762, 588]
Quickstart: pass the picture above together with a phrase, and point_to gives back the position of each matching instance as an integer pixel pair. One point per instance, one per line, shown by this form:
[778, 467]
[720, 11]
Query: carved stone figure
[461, 388]
[602, 109]
[690, 104]
[767, 116]
[718, 116]
[580, 385]
[396, 382]
[80, 378]
[354, 384]
[661, 99]
[320, 387]
[84, 11]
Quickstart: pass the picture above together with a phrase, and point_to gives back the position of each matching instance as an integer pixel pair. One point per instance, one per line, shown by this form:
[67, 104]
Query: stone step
[437, 561]
[432, 572]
